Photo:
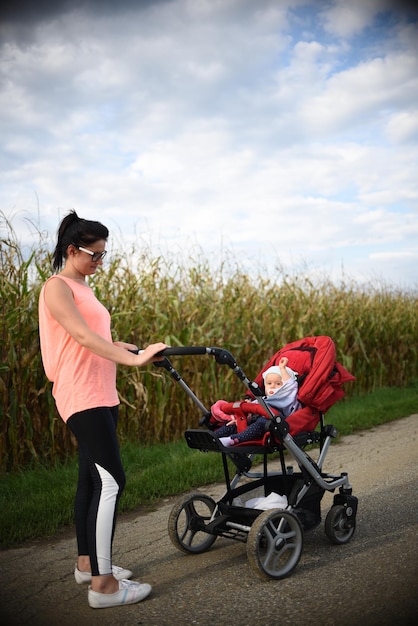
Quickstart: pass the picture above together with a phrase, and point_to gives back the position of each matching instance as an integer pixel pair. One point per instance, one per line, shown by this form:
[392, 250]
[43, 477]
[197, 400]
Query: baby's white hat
[275, 369]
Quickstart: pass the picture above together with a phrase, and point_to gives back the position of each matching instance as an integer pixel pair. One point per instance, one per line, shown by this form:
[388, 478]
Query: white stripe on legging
[104, 523]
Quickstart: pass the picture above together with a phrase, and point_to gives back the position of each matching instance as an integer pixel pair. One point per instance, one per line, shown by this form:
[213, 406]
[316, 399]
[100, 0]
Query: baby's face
[271, 383]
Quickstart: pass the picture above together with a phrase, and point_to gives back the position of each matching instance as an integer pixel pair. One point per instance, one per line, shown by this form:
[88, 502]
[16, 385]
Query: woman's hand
[149, 354]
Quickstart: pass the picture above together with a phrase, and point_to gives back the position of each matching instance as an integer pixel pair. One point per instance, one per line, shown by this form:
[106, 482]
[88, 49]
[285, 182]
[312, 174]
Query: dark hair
[77, 231]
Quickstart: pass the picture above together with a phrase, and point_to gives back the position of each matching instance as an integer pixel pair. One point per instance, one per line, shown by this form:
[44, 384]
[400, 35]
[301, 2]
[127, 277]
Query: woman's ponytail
[77, 231]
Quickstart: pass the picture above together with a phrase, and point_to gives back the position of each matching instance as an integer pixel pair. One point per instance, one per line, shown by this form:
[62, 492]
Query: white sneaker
[83, 578]
[129, 592]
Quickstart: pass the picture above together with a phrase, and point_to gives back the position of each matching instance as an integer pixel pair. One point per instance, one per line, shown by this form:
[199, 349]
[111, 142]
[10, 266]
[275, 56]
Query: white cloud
[231, 123]
[345, 19]
[394, 256]
[403, 127]
[363, 94]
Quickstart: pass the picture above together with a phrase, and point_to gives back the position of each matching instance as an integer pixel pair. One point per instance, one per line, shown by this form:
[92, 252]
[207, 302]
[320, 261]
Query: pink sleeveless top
[81, 379]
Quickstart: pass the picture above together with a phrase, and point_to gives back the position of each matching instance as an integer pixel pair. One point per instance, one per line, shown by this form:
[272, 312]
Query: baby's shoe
[226, 441]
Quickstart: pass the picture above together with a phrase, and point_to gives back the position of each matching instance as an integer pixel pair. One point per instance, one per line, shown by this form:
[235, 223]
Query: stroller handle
[223, 357]
[183, 350]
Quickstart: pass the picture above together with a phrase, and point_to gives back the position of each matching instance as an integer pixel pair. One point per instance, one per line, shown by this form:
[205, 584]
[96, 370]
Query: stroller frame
[274, 537]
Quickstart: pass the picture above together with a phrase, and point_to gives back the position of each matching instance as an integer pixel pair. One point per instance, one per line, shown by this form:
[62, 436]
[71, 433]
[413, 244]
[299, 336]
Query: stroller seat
[320, 384]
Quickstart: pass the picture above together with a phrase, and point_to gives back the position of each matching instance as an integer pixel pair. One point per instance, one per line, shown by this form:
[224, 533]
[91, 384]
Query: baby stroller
[270, 510]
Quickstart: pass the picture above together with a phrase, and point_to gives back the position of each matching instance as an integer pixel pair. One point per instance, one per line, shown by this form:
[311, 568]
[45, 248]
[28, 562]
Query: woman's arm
[60, 302]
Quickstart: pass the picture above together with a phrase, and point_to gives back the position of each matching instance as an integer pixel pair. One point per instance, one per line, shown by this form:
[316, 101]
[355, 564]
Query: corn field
[152, 299]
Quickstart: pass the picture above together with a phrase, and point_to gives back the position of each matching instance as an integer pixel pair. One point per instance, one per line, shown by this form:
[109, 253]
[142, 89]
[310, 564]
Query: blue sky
[280, 133]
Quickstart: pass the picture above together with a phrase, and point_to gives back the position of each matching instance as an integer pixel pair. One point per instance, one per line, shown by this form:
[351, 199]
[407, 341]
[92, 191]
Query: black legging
[101, 480]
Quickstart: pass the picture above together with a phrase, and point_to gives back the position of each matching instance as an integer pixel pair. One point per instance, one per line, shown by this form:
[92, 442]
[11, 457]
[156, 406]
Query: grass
[38, 501]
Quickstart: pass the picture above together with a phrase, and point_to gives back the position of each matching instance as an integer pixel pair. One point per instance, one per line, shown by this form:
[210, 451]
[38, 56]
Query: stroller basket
[269, 510]
[308, 509]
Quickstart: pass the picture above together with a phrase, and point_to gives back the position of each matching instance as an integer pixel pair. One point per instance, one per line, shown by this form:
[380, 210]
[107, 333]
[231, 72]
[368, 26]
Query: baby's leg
[254, 432]
[226, 431]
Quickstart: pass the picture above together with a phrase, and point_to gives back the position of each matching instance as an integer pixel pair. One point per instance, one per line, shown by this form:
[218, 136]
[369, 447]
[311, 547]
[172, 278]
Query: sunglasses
[95, 256]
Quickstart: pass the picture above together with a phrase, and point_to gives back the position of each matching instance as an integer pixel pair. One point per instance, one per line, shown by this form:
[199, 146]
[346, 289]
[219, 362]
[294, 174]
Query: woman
[80, 358]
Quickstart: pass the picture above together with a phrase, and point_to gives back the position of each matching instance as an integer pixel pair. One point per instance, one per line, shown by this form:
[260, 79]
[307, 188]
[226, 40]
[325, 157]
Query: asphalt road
[371, 581]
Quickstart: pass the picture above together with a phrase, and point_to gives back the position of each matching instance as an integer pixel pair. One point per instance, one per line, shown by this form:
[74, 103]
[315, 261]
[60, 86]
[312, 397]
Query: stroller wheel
[275, 543]
[339, 528]
[187, 522]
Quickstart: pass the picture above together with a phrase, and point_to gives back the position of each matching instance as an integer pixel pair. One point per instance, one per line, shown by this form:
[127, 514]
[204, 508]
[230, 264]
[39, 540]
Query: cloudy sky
[281, 132]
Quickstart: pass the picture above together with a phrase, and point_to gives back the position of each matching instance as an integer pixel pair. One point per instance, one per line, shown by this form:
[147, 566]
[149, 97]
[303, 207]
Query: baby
[281, 388]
